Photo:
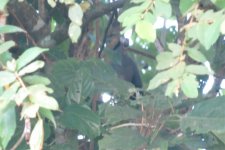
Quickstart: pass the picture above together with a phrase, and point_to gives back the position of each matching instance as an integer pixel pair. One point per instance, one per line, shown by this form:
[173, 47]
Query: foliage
[52, 98]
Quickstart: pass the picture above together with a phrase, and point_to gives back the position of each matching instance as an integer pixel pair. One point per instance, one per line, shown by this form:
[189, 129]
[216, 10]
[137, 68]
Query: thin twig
[130, 125]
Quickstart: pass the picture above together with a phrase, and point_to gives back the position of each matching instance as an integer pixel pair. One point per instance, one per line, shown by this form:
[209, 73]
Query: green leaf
[39, 88]
[208, 115]
[189, 86]
[74, 32]
[52, 3]
[10, 29]
[178, 70]
[7, 97]
[186, 5]
[37, 136]
[115, 114]
[47, 114]
[222, 27]
[29, 55]
[29, 110]
[163, 9]
[36, 79]
[3, 4]
[219, 3]
[159, 79]
[6, 78]
[197, 69]
[196, 55]
[165, 60]
[172, 88]
[84, 120]
[6, 46]
[149, 32]
[21, 96]
[7, 126]
[75, 14]
[175, 48]
[204, 30]
[43, 100]
[34, 66]
[119, 139]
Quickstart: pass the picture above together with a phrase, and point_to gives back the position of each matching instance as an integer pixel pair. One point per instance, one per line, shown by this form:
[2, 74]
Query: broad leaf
[159, 79]
[75, 14]
[43, 100]
[115, 114]
[186, 5]
[29, 110]
[149, 32]
[34, 66]
[47, 114]
[29, 55]
[6, 78]
[74, 32]
[6, 46]
[36, 79]
[7, 125]
[10, 29]
[163, 9]
[37, 136]
[82, 119]
[122, 139]
[196, 55]
[197, 69]
[3, 4]
[189, 86]
[206, 116]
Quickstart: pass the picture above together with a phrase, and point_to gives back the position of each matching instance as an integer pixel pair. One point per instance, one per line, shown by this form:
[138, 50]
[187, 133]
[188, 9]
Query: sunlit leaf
[34, 66]
[52, 3]
[172, 87]
[159, 79]
[43, 100]
[7, 96]
[29, 55]
[36, 79]
[74, 32]
[84, 120]
[189, 86]
[196, 55]
[186, 5]
[37, 136]
[178, 70]
[165, 60]
[175, 48]
[3, 4]
[29, 110]
[6, 78]
[197, 69]
[149, 32]
[163, 9]
[21, 95]
[222, 27]
[75, 14]
[39, 88]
